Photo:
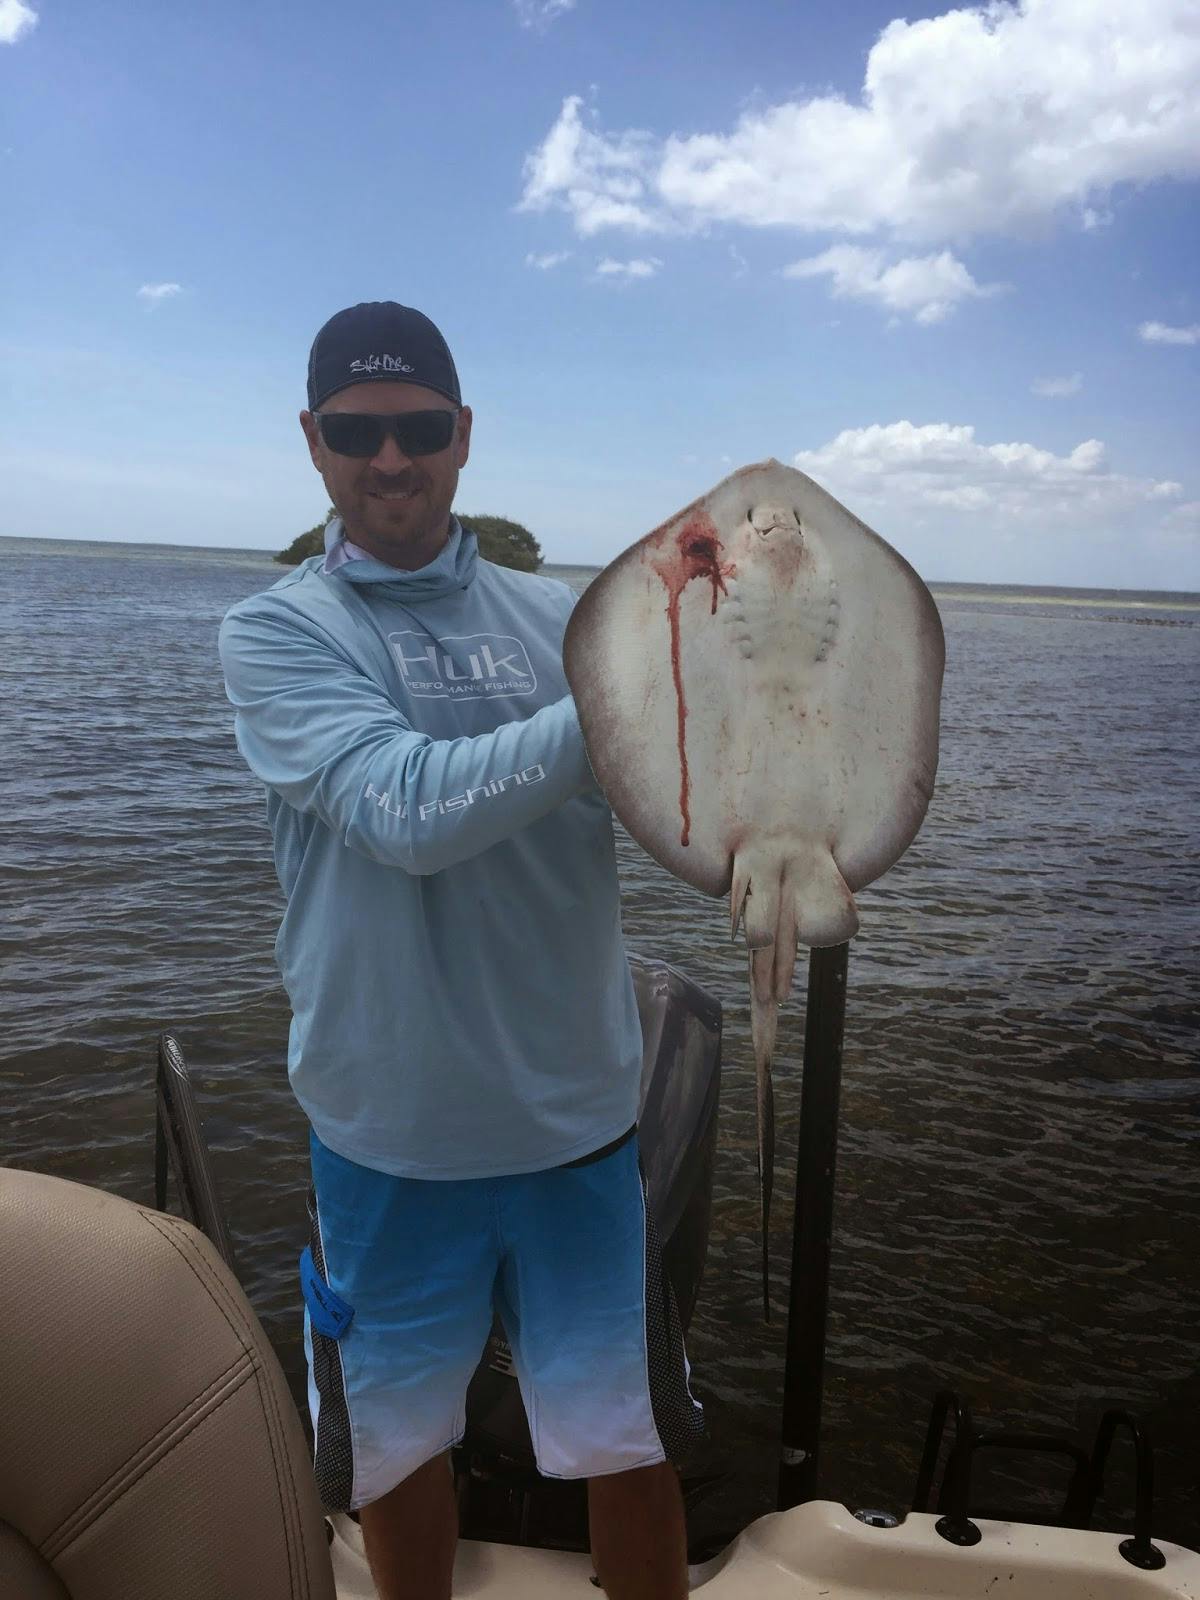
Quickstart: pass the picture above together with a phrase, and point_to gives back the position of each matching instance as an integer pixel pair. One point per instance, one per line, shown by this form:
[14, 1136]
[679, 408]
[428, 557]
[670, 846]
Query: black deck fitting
[1138, 1551]
[954, 1525]
[180, 1148]
[1087, 1479]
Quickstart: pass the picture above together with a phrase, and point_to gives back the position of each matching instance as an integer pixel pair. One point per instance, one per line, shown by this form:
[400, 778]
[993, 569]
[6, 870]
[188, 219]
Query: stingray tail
[803, 898]
[758, 895]
[764, 1011]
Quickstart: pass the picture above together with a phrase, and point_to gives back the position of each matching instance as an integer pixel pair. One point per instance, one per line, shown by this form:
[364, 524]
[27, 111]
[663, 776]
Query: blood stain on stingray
[696, 553]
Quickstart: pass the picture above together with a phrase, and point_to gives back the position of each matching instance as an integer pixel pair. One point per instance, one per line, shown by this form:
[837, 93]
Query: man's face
[396, 507]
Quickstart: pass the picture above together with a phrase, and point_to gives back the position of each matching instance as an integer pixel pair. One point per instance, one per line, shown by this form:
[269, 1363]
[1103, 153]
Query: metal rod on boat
[812, 1229]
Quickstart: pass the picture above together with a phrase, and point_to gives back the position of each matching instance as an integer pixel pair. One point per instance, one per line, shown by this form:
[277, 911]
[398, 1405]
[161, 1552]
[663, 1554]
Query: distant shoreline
[943, 588]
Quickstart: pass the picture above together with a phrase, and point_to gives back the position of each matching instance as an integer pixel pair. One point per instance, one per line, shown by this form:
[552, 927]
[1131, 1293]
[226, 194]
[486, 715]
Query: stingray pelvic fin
[819, 901]
[738, 894]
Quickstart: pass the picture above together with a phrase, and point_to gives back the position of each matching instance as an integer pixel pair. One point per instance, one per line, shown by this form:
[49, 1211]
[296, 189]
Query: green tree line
[501, 540]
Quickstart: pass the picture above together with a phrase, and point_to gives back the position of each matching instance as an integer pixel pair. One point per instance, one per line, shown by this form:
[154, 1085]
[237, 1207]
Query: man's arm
[328, 740]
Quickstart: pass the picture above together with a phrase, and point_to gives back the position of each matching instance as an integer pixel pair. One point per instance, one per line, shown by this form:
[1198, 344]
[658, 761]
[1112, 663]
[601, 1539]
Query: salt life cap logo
[371, 364]
[464, 666]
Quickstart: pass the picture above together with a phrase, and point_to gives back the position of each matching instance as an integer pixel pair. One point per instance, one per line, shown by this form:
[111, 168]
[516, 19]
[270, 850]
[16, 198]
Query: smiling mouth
[396, 493]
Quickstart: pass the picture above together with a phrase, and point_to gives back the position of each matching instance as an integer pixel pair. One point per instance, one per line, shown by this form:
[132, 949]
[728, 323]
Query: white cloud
[552, 258]
[940, 475]
[1093, 219]
[628, 270]
[925, 287]
[16, 20]
[1057, 388]
[981, 120]
[599, 180]
[540, 14]
[156, 293]
[1160, 333]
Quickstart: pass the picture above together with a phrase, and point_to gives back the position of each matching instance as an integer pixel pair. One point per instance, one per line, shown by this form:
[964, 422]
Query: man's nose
[389, 457]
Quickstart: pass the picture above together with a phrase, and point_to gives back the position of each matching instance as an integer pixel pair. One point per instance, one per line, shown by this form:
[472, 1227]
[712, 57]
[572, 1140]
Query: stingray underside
[771, 694]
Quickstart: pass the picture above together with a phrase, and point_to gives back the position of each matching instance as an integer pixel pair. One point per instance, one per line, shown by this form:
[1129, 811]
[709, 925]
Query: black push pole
[812, 1229]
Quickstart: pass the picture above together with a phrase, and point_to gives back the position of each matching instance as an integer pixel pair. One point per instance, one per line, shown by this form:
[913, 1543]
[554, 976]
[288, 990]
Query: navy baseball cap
[380, 342]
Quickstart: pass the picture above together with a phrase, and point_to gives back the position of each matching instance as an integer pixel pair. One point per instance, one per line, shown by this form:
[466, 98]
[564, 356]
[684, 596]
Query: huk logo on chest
[471, 666]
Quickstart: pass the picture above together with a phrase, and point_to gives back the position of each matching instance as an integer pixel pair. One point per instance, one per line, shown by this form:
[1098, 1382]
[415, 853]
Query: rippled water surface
[1018, 1207]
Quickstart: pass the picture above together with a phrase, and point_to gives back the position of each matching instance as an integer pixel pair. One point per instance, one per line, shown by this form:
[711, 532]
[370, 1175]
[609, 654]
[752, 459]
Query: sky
[944, 262]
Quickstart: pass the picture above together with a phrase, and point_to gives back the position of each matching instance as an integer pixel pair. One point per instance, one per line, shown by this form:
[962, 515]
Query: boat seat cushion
[148, 1442]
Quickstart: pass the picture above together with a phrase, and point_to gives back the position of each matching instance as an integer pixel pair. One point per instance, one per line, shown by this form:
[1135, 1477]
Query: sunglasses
[418, 433]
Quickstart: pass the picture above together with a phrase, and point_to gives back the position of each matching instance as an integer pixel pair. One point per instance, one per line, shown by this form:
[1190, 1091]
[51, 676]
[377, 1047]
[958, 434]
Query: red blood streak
[693, 551]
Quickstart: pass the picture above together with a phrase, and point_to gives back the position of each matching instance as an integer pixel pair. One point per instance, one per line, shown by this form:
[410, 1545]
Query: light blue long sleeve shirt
[461, 999]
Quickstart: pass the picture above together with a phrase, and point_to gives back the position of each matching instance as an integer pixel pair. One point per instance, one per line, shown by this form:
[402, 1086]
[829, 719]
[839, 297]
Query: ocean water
[1018, 1210]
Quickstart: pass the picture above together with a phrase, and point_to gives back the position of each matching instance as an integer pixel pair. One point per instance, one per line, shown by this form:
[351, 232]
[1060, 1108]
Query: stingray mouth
[766, 520]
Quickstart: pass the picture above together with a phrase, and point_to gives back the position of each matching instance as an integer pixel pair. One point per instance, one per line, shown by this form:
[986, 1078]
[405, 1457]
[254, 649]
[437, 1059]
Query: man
[465, 1038]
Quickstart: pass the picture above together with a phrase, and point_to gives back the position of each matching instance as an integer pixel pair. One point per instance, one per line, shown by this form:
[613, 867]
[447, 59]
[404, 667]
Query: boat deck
[820, 1551]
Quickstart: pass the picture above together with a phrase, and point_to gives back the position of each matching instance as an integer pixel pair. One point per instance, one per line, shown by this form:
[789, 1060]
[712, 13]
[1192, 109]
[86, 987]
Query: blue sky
[945, 265]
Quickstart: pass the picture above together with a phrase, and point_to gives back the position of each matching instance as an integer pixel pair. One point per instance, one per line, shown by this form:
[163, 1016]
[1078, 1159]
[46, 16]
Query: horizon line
[598, 566]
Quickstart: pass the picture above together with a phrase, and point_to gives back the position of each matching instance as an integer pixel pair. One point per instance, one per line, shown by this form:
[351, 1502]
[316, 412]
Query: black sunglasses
[418, 433]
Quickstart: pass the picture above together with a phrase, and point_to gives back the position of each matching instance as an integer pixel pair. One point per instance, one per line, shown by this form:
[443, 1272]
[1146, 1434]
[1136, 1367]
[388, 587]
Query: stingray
[758, 683]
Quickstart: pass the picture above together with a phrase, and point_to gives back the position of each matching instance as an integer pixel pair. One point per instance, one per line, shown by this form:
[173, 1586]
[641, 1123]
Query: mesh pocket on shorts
[334, 1456]
[678, 1418]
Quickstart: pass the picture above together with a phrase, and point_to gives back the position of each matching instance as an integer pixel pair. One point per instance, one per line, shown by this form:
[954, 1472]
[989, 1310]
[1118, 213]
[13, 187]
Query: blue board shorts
[400, 1280]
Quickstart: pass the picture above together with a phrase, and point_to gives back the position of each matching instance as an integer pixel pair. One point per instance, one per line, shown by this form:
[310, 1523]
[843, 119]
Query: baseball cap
[379, 342]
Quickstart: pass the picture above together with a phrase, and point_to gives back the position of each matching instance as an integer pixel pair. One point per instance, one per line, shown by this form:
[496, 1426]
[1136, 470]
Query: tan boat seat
[149, 1448]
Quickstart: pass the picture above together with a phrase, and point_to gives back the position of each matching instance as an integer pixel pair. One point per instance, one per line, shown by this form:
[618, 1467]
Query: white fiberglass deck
[821, 1550]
